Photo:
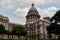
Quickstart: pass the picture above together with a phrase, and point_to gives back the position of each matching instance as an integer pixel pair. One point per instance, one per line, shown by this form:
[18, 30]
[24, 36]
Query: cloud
[47, 12]
[21, 7]
[39, 2]
[6, 4]
[19, 16]
[13, 3]
[21, 11]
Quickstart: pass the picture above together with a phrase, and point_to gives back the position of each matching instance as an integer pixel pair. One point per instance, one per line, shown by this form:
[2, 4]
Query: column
[56, 37]
[45, 31]
[41, 32]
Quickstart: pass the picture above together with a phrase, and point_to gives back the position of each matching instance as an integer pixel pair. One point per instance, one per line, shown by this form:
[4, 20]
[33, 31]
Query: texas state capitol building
[36, 27]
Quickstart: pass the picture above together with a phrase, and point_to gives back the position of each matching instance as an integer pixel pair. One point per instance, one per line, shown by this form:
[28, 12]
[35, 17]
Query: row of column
[41, 32]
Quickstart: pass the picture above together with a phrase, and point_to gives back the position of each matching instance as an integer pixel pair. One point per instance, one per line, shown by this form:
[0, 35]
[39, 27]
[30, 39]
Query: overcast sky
[16, 10]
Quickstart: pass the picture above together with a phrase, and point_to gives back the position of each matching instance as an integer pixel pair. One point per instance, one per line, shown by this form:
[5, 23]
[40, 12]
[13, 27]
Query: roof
[33, 11]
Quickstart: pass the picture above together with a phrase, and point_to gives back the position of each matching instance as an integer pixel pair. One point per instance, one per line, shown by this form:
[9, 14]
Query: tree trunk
[18, 37]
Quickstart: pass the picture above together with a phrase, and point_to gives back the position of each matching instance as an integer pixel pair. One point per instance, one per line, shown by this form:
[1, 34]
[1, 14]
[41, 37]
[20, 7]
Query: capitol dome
[33, 11]
[32, 15]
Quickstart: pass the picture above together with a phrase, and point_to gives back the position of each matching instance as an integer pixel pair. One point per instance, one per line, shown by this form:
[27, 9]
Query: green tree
[19, 30]
[2, 29]
[56, 18]
[8, 33]
[54, 27]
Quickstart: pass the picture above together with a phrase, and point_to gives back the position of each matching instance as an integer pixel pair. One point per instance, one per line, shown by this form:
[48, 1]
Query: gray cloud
[13, 3]
[18, 16]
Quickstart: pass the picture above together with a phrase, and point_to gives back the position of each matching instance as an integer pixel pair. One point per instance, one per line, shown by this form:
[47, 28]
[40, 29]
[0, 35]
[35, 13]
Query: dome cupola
[33, 11]
[33, 14]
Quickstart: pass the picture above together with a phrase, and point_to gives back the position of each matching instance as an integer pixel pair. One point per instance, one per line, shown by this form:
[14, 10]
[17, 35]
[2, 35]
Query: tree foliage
[54, 27]
[56, 17]
[2, 29]
[19, 30]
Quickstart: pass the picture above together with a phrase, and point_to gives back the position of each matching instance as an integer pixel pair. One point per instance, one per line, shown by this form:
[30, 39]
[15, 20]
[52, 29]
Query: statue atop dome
[32, 5]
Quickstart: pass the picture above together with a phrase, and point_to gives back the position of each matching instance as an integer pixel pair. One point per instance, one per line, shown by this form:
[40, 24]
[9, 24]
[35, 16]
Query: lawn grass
[7, 39]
